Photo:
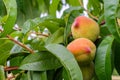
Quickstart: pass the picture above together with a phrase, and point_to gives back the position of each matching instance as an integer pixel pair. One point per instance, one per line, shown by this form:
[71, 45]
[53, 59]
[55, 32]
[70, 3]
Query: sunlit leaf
[47, 22]
[56, 37]
[94, 6]
[110, 8]
[73, 2]
[40, 62]
[5, 50]
[29, 9]
[11, 7]
[103, 67]
[67, 60]
[53, 7]
[39, 75]
[38, 44]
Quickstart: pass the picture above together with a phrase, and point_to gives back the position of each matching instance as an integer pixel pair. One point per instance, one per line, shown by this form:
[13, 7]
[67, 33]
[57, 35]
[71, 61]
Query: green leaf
[69, 15]
[47, 3]
[56, 37]
[29, 25]
[47, 22]
[70, 10]
[13, 55]
[16, 49]
[51, 74]
[101, 1]
[110, 8]
[40, 62]
[118, 11]
[53, 7]
[101, 19]
[11, 7]
[5, 50]
[29, 9]
[2, 8]
[38, 44]
[116, 51]
[73, 2]
[2, 73]
[65, 75]
[52, 26]
[104, 31]
[16, 61]
[94, 6]
[103, 67]
[38, 75]
[67, 60]
[22, 77]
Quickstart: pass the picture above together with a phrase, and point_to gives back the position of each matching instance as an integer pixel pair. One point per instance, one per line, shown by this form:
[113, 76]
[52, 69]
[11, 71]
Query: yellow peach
[84, 27]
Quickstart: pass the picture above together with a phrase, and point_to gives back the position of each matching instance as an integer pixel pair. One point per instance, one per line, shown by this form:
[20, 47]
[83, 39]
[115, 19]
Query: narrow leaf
[94, 6]
[40, 62]
[2, 8]
[56, 37]
[47, 22]
[74, 2]
[39, 75]
[53, 7]
[103, 65]
[5, 50]
[116, 51]
[22, 77]
[38, 44]
[110, 8]
[2, 74]
[11, 7]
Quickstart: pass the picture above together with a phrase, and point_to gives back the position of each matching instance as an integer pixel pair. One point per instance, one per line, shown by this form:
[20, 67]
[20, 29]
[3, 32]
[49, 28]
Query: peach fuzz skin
[83, 50]
[84, 27]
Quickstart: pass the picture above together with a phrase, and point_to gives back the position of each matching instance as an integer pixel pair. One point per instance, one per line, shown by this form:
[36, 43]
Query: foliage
[33, 39]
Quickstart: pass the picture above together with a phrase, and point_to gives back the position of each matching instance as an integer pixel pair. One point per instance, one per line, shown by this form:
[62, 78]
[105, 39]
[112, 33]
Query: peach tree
[34, 35]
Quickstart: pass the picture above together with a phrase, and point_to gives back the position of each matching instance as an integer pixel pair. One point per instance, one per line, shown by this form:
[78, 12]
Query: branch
[87, 10]
[21, 44]
[11, 68]
[42, 34]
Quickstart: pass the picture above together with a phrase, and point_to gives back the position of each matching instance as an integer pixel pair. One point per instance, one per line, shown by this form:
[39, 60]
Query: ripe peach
[83, 49]
[84, 27]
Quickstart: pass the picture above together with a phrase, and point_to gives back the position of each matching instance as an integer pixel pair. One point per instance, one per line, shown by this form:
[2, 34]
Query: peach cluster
[84, 31]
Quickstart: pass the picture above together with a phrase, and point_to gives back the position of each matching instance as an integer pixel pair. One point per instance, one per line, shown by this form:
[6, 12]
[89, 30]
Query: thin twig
[87, 11]
[41, 34]
[11, 68]
[21, 44]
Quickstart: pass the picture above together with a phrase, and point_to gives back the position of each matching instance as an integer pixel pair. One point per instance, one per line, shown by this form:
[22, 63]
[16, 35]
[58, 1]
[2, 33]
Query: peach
[84, 27]
[83, 50]
[88, 71]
